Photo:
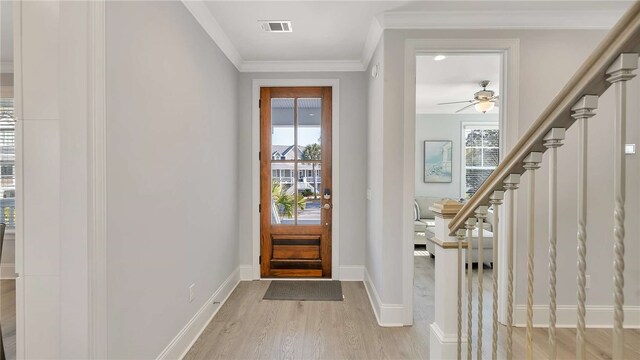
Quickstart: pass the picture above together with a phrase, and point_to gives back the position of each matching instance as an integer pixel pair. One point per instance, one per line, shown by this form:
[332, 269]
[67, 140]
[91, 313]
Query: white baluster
[470, 225]
[552, 141]
[619, 73]
[531, 163]
[481, 215]
[512, 182]
[582, 111]
[460, 235]
[496, 200]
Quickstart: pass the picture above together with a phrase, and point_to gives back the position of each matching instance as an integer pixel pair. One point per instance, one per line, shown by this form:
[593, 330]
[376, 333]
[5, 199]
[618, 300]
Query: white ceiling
[322, 30]
[341, 35]
[455, 78]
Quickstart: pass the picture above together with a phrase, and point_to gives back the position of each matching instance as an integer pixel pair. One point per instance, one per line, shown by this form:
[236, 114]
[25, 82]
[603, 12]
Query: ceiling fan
[483, 100]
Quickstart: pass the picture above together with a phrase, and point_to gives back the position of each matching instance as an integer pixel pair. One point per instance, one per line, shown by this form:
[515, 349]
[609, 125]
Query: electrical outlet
[588, 282]
[192, 292]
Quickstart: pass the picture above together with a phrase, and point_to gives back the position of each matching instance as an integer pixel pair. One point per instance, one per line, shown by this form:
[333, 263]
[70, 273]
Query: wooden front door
[295, 182]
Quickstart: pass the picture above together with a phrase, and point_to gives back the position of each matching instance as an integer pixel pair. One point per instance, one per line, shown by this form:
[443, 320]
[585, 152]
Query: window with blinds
[7, 163]
[482, 154]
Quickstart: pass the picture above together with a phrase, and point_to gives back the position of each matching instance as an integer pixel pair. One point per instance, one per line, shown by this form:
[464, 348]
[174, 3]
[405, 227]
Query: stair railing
[612, 63]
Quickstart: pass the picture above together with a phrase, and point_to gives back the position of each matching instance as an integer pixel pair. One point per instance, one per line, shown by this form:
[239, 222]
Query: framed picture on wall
[437, 161]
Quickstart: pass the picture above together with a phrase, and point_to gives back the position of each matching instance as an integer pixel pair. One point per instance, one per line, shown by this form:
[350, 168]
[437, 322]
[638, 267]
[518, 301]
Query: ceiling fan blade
[456, 102]
[468, 106]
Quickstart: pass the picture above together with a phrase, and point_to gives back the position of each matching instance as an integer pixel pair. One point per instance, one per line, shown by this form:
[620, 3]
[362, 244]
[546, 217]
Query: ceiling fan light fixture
[484, 106]
[439, 57]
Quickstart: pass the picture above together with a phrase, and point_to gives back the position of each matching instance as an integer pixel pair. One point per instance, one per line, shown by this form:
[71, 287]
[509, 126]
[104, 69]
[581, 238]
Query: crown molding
[199, 10]
[558, 19]
[371, 42]
[203, 16]
[302, 66]
[6, 67]
[462, 20]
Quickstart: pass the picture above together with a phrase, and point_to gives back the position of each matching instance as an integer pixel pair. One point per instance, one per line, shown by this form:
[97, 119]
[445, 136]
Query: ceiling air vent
[275, 25]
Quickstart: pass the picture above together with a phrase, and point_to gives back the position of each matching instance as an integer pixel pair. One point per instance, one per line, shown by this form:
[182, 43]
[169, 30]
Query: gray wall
[352, 161]
[172, 173]
[443, 127]
[548, 58]
[536, 91]
[600, 203]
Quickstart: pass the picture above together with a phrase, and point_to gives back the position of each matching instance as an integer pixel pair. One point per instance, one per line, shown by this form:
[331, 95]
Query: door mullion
[295, 161]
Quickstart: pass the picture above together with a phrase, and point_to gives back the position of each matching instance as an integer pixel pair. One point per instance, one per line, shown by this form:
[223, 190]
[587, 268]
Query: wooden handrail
[590, 79]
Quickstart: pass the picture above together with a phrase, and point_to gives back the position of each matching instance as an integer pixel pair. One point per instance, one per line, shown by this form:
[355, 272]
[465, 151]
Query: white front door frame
[509, 49]
[255, 165]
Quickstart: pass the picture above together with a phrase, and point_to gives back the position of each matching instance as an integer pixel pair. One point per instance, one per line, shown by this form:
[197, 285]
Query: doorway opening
[295, 182]
[457, 144]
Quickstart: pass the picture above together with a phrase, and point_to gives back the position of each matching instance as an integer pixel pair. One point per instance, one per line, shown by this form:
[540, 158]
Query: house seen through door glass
[296, 155]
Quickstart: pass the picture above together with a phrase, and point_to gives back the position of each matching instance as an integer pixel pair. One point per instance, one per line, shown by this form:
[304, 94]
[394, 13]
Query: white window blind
[7, 163]
[481, 155]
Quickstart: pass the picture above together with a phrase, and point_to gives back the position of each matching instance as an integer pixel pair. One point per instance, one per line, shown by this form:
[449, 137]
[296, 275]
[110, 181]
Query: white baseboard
[246, 272]
[387, 315]
[445, 347]
[180, 345]
[7, 271]
[596, 316]
[351, 273]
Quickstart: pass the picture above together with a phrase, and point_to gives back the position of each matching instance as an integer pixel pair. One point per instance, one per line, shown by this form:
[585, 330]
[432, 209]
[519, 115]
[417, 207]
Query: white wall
[172, 184]
[443, 127]
[51, 130]
[352, 161]
[547, 59]
[38, 132]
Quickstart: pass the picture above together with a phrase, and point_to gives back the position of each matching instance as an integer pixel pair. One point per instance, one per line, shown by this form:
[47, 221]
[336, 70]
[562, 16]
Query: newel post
[444, 330]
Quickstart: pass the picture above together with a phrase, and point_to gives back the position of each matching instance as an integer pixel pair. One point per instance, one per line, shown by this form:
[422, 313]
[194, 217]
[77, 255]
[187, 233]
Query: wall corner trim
[387, 315]
[246, 272]
[184, 340]
[371, 42]
[203, 16]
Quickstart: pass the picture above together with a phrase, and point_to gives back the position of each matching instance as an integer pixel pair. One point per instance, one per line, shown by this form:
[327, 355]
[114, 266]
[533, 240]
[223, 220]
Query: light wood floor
[247, 327]
[8, 317]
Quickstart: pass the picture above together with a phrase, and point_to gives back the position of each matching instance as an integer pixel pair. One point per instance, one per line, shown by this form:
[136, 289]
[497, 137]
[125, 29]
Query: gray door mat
[304, 290]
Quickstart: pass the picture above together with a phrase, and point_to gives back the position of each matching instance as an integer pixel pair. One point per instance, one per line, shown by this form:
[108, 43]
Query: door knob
[327, 206]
